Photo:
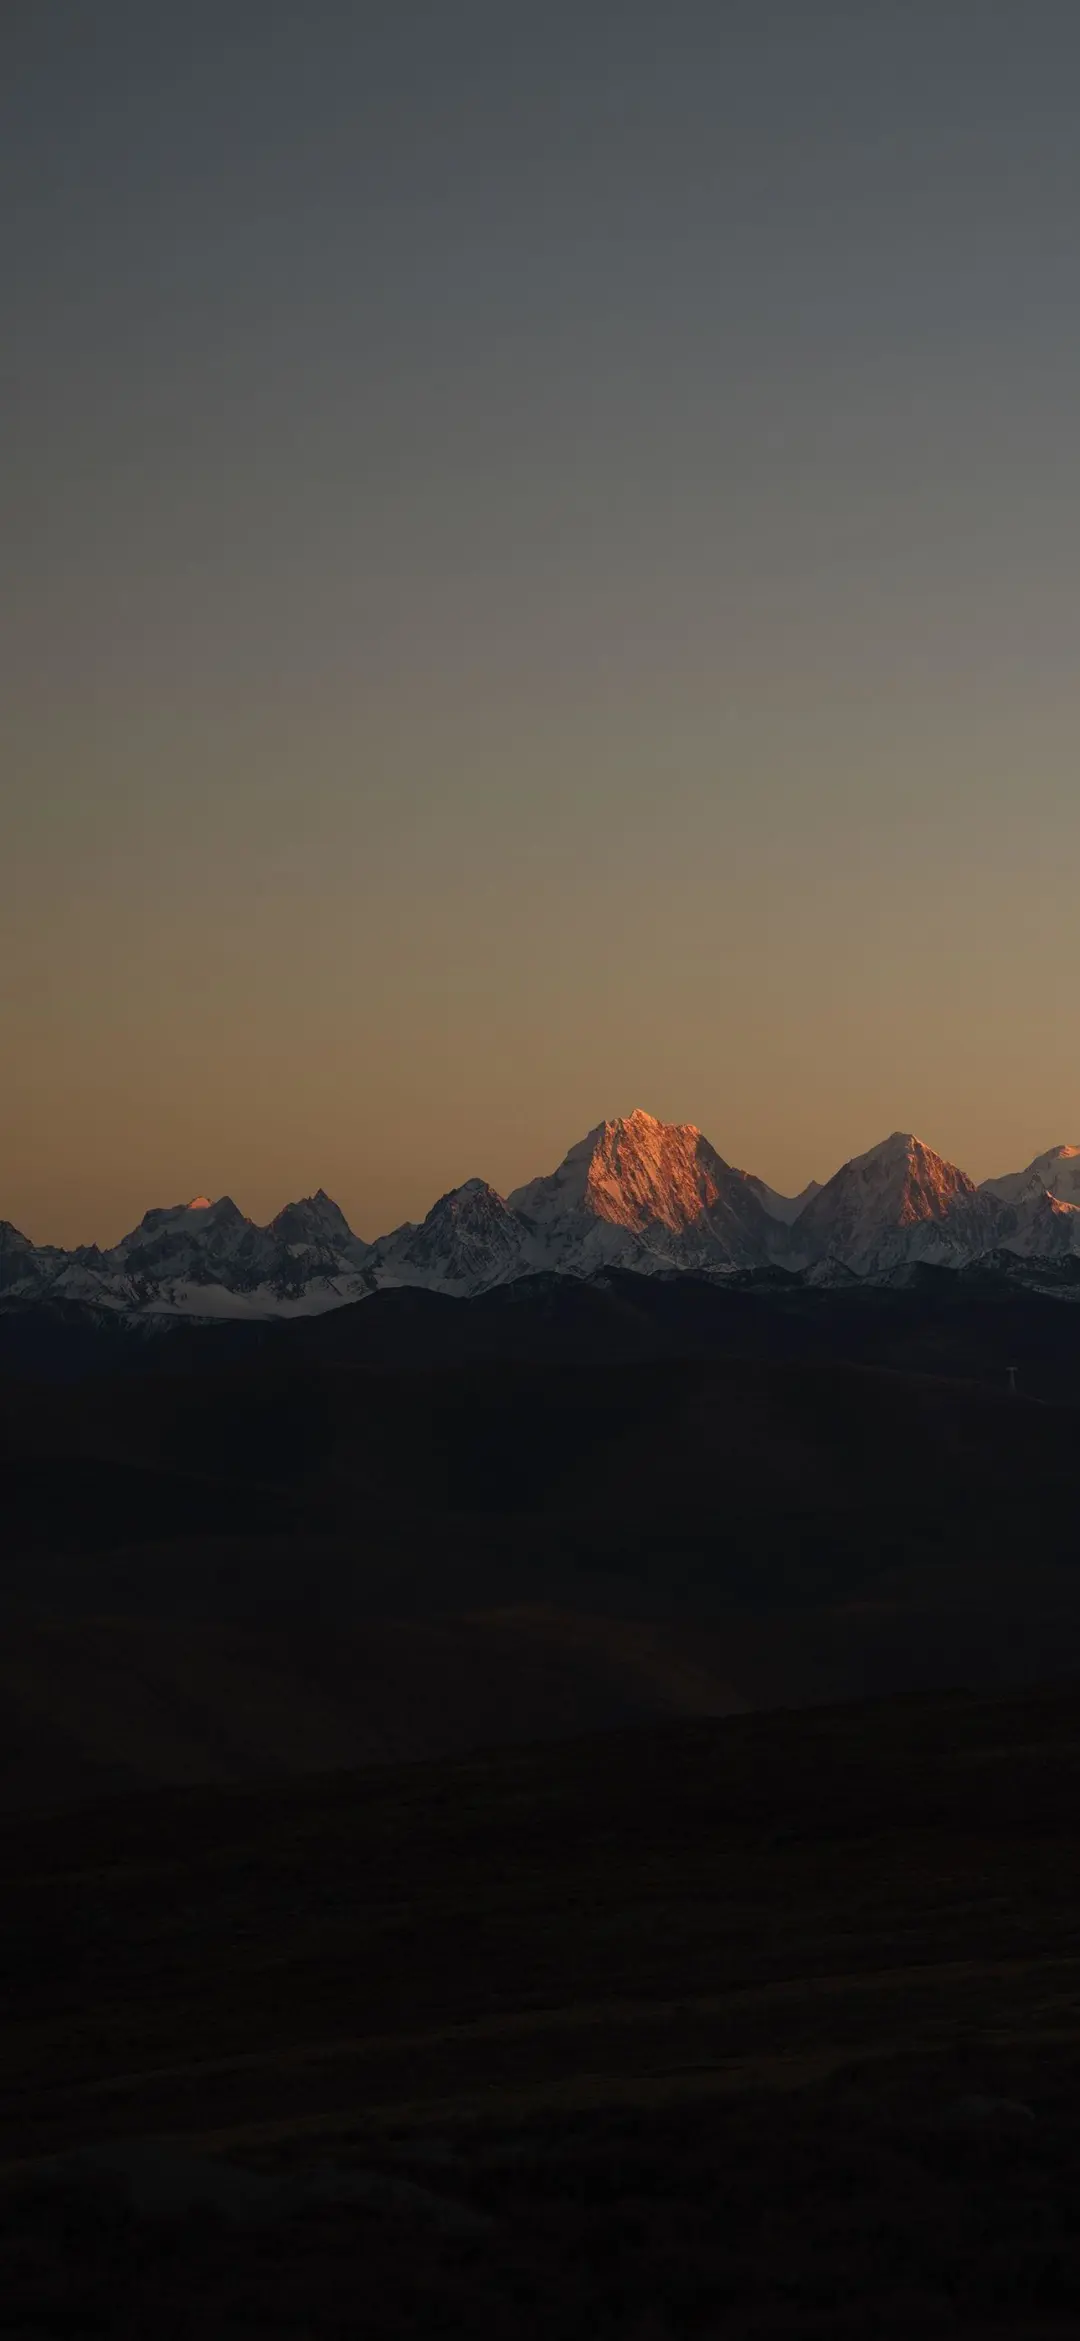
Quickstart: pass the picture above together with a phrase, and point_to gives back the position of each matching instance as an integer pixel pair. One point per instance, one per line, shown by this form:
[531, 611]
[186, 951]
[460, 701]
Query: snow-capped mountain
[470, 1240]
[194, 1243]
[897, 1203]
[312, 1251]
[635, 1193]
[317, 1229]
[1042, 1228]
[639, 1193]
[1057, 1172]
[200, 1259]
[1042, 1205]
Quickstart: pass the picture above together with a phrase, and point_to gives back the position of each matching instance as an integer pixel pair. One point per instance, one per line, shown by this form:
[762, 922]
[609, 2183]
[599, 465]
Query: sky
[540, 575]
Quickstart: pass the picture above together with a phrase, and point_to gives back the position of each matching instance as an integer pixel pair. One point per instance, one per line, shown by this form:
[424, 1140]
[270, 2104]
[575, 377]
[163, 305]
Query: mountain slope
[195, 1243]
[1042, 1205]
[469, 1240]
[1057, 1172]
[1042, 1226]
[641, 1193]
[317, 1229]
[899, 1202]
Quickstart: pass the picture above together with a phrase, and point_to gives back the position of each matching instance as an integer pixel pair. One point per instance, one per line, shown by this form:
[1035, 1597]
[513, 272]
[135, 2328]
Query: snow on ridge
[1057, 1172]
[897, 1202]
[635, 1192]
[656, 1187]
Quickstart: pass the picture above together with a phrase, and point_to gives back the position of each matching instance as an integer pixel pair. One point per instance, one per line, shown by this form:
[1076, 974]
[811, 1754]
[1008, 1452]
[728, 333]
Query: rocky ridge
[636, 1193]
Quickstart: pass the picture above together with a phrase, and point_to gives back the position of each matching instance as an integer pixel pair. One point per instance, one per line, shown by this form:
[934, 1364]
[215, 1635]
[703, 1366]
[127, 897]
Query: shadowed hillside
[293, 1565]
[973, 1325]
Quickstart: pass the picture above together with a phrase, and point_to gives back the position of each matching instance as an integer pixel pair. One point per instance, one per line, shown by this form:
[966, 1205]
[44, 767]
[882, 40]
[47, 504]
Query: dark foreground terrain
[317, 2019]
[420, 1525]
[305, 1552]
[760, 2027]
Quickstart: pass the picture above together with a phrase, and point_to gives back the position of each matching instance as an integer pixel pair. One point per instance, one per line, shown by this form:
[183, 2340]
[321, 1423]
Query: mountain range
[636, 1193]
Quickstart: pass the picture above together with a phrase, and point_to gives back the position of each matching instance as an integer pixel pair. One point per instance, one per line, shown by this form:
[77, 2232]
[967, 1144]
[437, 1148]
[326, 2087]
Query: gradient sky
[541, 574]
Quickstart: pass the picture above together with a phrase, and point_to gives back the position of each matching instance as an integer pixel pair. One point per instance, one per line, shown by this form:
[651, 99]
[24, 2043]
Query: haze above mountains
[635, 1193]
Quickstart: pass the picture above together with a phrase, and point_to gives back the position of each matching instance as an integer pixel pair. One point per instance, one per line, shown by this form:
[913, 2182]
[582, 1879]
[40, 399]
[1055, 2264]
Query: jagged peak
[642, 1126]
[902, 1150]
[643, 1122]
[634, 1172]
[471, 1191]
[635, 1190]
[161, 1214]
[899, 1145]
[316, 1227]
[191, 1222]
[219, 1205]
[9, 1232]
[897, 1195]
[320, 1202]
